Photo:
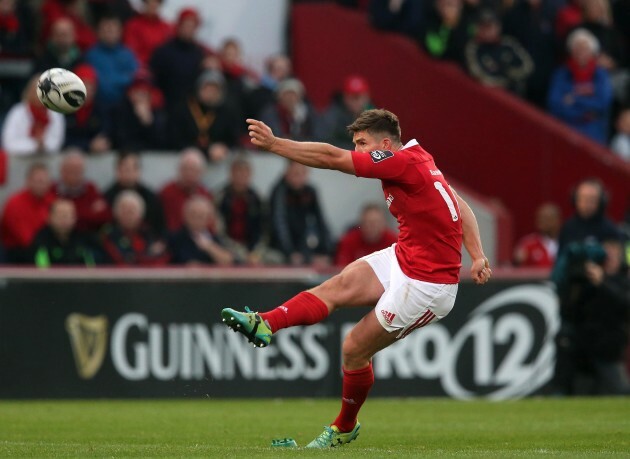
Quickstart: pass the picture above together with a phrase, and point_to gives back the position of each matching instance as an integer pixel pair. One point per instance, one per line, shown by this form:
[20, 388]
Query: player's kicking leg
[364, 340]
[356, 285]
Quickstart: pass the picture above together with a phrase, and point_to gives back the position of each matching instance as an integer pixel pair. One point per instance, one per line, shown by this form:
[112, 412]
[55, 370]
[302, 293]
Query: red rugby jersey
[429, 221]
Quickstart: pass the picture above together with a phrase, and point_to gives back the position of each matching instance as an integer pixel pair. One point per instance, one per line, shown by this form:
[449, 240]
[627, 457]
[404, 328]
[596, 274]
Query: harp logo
[88, 337]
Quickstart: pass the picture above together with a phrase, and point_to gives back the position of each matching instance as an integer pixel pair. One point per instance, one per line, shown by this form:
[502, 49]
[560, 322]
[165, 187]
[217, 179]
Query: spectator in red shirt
[127, 241]
[371, 235]
[52, 10]
[539, 249]
[92, 209]
[25, 213]
[146, 31]
[188, 183]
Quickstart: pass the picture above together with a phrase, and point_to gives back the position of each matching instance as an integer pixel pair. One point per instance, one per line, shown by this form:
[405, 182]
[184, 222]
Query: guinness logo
[88, 337]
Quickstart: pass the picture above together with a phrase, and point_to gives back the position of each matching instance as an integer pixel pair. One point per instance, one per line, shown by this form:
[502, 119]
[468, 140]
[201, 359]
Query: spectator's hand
[594, 273]
[217, 152]
[261, 134]
[296, 259]
[100, 144]
[480, 271]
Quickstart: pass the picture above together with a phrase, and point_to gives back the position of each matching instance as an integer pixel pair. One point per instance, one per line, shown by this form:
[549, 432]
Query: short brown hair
[377, 121]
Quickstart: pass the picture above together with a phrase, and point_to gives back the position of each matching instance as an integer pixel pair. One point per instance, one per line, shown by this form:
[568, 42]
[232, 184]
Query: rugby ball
[61, 90]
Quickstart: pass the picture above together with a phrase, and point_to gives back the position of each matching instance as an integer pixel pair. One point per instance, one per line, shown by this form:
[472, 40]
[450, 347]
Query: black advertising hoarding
[156, 338]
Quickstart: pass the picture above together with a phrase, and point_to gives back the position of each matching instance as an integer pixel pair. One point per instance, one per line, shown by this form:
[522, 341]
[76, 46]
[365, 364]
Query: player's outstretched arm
[313, 154]
[480, 270]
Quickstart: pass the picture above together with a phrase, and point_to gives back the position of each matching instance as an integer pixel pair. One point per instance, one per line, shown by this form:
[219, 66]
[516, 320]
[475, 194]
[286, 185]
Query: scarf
[203, 121]
[582, 74]
[41, 118]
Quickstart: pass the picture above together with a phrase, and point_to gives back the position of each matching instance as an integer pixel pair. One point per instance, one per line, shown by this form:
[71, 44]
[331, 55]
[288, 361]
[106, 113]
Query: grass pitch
[244, 428]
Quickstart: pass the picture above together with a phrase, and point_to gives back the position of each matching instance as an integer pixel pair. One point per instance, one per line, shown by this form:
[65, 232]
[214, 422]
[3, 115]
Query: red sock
[356, 386]
[303, 309]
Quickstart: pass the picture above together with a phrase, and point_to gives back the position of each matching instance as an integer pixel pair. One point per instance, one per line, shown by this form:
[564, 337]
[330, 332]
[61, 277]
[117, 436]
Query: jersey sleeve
[381, 164]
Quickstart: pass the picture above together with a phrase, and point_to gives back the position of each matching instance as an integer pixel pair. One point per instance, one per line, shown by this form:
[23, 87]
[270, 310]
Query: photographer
[594, 294]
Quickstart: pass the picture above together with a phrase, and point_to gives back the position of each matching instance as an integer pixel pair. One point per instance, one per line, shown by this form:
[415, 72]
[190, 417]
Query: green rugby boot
[331, 437]
[250, 324]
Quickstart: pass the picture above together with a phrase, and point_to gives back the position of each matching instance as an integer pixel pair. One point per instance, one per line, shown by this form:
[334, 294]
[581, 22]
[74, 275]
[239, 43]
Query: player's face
[366, 142]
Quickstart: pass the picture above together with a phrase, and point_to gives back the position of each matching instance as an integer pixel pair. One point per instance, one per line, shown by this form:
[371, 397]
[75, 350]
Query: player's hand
[480, 271]
[261, 134]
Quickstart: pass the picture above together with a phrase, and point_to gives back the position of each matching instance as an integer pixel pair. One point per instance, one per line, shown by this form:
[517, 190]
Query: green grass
[390, 427]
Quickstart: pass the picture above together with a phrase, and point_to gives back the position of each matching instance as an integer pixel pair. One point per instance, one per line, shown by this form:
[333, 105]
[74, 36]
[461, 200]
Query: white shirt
[16, 132]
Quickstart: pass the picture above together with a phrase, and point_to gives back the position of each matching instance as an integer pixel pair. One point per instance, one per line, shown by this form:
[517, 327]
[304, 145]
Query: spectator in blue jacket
[115, 64]
[581, 91]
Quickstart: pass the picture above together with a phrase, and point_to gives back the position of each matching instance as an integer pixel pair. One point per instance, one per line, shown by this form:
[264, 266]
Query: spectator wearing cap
[204, 121]
[139, 121]
[61, 49]
[495, 60]
[146, 31]
[344, 109]
[581, 93]
[114, 63]
[177, 63]
[291, 116]
[88, 128]
[30, 128]
[188, 183]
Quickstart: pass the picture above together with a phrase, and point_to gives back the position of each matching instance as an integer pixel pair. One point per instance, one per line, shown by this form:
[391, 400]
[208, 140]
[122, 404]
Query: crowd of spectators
[152, 85]
[70, 221]
[569, 57]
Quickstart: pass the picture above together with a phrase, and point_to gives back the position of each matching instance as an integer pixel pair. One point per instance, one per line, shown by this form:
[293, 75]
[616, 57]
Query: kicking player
[411, 284]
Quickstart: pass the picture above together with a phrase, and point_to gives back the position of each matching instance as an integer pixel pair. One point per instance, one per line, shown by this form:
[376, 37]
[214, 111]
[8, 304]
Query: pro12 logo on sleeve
[380, 155]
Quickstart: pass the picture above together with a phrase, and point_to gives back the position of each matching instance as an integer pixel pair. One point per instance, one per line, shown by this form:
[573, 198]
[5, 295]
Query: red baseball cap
[355, 84]
[188, 13]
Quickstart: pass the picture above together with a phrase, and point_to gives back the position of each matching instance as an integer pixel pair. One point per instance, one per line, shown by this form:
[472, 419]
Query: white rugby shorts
[407, 304]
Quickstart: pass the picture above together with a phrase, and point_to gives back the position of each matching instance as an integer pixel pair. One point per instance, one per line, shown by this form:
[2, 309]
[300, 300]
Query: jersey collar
[411, 143]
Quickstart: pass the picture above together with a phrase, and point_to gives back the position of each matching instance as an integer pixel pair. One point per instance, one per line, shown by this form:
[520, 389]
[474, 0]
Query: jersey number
[447, 199]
